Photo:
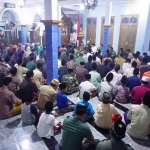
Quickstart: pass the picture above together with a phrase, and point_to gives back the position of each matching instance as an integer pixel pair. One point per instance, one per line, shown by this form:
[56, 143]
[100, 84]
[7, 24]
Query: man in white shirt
[129, 71]
[94, 49]
[117, 76]
[126, 65]
[47, 122]
[87, 86]
[139, 127]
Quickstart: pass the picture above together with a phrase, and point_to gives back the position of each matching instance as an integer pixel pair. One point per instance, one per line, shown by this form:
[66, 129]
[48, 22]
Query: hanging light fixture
[88, 5]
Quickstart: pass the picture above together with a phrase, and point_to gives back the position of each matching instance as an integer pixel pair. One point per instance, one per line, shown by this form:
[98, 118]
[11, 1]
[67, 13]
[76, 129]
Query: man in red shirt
[139, 91]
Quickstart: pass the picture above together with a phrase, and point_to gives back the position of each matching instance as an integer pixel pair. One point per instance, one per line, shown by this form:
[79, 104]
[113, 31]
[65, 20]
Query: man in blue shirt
[134, 80]
[84, 102]
[62, 101]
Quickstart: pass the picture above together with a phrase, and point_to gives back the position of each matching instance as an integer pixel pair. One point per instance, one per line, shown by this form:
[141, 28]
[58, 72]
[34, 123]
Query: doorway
[91, 30]
[111, 34]
[128, 32]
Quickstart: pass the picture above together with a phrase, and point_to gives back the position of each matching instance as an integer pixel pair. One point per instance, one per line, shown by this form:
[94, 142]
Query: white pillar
[108, 12]
[51, 9]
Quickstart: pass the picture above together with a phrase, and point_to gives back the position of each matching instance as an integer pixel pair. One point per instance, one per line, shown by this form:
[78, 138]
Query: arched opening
[37, 18]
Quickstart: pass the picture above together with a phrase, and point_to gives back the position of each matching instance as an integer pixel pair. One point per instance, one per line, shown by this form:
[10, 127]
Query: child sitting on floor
[106, 113]
[29, 113]
[123, 92]
[47, 122]
[90, 111]
[62, 101]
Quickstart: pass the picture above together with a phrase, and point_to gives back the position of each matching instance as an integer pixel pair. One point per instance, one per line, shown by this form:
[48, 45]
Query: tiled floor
[14, 135]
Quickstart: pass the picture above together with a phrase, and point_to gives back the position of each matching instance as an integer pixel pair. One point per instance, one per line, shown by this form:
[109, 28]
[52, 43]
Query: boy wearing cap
[47, 93]
[10, 105]
[115, 143]
[105, 110]
[139, 91]
[75, 130]
[62, 101]
[84, 101]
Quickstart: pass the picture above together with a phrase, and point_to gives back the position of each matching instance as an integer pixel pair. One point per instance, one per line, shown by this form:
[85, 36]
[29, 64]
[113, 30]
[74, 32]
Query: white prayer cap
[145, 79]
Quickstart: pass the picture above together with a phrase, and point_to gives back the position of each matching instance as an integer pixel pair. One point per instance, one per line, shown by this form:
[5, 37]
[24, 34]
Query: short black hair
[124, 80]
[7, 80]
[82, 63]
[13, 70]
[117, 67]
[109, 77]
[7, 59]
[146, 99]
[28, 97]
[39, 65]
[86, 96]
[128, 60]
[94, 57]
[81, 109]
[19, 61]
[87, 76]
[112, 65]
[144, 60]
[70, 71]
[106, 62]
[31, 58]
[94, 66]
[11, 54]
[48, 107]
[136, 55]
[63, 62]
[134, 64]
[62, 86]
[145, 83]
[136, 71]
[71, 57]
[29, 74]
[128, 50]
[90, 58]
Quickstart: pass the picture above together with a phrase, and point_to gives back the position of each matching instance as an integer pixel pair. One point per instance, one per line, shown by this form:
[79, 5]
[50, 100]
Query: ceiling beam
[71, 7]
[71, 12]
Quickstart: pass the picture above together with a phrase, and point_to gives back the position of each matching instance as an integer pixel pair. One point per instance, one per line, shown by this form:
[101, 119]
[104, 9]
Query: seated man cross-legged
[62, 101]
[10, 105]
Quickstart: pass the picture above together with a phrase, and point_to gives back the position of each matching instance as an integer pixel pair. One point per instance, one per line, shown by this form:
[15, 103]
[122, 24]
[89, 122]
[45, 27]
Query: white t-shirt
[125, 66]
[85, 86]
[46, 125]
[129, 72]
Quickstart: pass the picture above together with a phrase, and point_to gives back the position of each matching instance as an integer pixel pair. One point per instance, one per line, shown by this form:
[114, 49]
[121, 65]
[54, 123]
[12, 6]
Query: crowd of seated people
[124, 78]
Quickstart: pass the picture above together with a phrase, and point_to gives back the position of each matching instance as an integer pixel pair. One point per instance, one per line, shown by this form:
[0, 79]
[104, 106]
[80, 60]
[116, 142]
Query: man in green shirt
[63, 55]
[115, 143]
[74, 131]
[79, 59]
[31, 65]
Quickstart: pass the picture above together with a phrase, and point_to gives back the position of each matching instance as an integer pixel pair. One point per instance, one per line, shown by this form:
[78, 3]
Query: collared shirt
[88, 66]
[133, 81]
[120, 61]
[86, 86]
[74, 131]
[103, 117]
[122, 94]
[7, 100]
[47, 93]
[113, 144]
[71, 65]
[80, 73]
[138, 92]
[38, 78]
[140, 121]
